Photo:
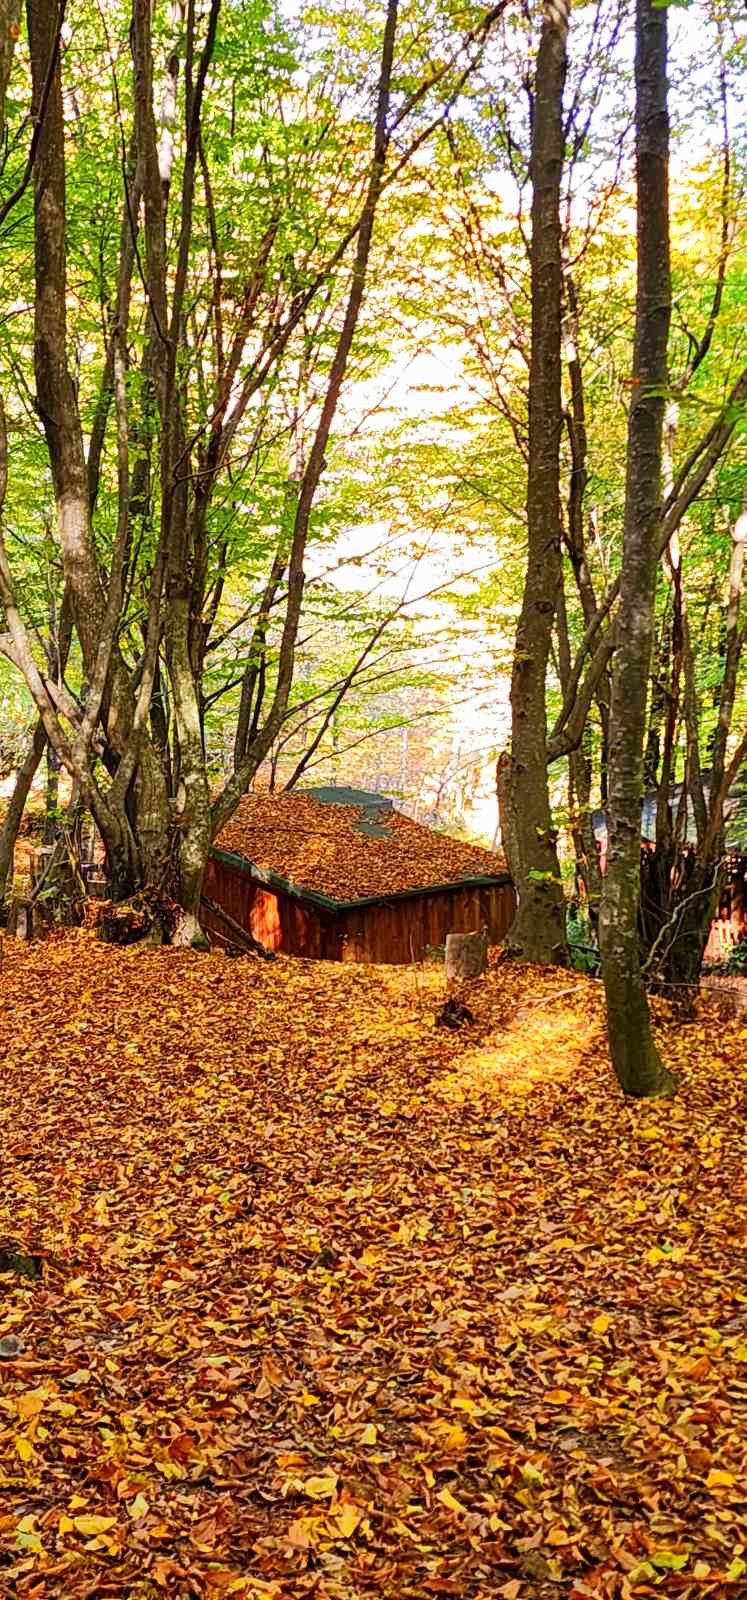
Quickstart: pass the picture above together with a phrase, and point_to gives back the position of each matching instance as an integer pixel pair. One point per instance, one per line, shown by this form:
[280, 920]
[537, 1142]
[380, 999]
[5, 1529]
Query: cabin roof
[343, 846]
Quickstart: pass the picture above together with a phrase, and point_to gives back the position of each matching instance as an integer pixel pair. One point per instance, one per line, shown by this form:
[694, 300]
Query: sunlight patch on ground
[548, 1043]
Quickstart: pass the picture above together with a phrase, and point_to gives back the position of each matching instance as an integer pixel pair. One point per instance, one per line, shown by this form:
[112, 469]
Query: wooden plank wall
[402, 930]
[279, 921]
[395, 932]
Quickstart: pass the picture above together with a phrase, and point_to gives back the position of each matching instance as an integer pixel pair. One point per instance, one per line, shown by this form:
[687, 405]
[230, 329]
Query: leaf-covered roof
[347, 845]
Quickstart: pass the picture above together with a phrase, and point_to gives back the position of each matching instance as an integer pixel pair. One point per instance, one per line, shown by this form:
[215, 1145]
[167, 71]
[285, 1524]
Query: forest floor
[331, 1302]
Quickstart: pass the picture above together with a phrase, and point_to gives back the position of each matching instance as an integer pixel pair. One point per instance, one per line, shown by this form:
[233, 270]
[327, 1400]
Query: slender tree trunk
[52, 796]
[538, 931]
[588, 871]
[16, 806]
[634, 1054]
[690, 889]
[10, 13]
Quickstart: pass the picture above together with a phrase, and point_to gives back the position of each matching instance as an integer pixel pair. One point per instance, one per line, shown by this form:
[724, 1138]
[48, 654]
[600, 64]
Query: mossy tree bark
[636, 1060]
[538, 931]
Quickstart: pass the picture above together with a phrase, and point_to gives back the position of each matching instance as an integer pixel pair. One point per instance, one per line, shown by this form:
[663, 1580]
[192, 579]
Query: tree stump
[466, 954]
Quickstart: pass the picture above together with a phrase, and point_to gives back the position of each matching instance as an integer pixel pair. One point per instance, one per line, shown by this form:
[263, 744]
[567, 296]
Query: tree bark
[538, 931]
[139, 854]
[51, 818]
[636, 1060]
[16, 806]
[10, 16]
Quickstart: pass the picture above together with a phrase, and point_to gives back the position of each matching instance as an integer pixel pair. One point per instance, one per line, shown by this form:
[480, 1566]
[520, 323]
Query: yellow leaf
[24, 1448]
[347, 1518]
[719, 1480]
[463, 1402]
[65, 1524]
[557, 1397]
[601, 1323]
[452, 1438]
[30, 1542]
[30, 1404]
[369, 1434]
[309, 1399]
[321, 1487]
[450, 1501]
[138, 1507]
[90, 1526]
[302, 1533]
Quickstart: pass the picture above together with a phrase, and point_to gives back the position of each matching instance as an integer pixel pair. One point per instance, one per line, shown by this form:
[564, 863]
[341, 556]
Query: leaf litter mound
[332, 1302]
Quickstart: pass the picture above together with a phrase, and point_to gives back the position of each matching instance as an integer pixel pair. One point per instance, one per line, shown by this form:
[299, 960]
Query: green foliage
[418, 529]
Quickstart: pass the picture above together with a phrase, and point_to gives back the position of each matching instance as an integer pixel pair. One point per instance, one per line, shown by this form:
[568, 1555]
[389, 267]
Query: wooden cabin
[341, 875]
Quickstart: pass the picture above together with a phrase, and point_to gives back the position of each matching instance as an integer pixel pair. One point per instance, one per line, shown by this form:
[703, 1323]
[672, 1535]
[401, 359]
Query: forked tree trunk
[137, 837]
[635, 1058]
[538, 931]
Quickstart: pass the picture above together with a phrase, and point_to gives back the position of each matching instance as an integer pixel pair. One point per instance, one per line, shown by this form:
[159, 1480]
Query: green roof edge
[273, 880]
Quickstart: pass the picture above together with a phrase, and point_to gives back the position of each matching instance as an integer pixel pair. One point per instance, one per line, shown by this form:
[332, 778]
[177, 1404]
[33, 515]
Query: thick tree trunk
[538, 931]
[634, 1054]
[137, 844]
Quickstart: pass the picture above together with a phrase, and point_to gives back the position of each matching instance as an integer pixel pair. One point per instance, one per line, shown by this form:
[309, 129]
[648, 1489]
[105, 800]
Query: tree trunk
[14, 814]
[538, 931]
[137, 853]
[634, 1054]
[588, 872]
[51, 802]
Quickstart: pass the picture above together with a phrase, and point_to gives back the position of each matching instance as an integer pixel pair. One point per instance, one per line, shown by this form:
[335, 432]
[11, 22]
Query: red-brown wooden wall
[392, 931]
